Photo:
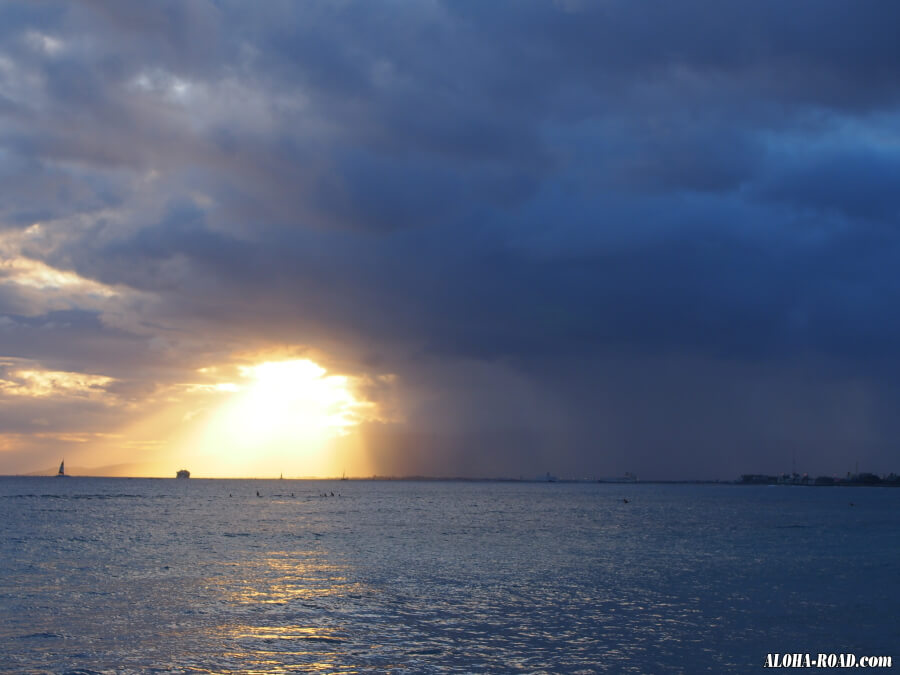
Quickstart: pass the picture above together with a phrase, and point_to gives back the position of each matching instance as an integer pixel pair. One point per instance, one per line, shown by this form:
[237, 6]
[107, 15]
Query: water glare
[128, 576]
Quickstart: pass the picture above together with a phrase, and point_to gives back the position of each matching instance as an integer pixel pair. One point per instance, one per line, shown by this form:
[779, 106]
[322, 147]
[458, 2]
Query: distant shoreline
[892, 481]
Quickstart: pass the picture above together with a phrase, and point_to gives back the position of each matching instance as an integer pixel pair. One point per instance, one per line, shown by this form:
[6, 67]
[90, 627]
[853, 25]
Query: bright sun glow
[279, 416]
[293, 400]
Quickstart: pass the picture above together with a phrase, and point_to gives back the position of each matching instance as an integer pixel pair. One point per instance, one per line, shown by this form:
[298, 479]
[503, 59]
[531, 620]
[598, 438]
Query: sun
[279, 416]
[292, 400]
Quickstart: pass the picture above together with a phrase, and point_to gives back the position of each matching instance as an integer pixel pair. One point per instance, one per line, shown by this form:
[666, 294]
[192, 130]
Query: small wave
[793, 527]
[42, 636]
[76, 496]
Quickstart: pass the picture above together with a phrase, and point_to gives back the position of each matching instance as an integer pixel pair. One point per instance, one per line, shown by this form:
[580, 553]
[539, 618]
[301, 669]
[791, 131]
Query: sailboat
[62, 472]
[344, 476]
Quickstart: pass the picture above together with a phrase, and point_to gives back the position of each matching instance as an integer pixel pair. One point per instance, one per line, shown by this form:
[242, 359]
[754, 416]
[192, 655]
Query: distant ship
[344, 476]
[183, 473]
[62, 472]
[629, 477]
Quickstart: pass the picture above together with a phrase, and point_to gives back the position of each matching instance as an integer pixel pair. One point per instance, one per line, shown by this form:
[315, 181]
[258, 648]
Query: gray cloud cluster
[588, 237]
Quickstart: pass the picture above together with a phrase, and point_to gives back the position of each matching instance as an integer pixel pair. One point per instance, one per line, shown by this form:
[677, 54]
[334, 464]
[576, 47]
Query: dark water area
[202, 576]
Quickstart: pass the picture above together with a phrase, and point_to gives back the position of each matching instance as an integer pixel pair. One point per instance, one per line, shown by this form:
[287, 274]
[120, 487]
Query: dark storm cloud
[90, 346]
[832, 53]
[593, 212]
[855, 182]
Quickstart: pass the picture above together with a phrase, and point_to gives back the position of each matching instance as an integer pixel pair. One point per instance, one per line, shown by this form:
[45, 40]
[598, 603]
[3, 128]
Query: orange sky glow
[259, 419]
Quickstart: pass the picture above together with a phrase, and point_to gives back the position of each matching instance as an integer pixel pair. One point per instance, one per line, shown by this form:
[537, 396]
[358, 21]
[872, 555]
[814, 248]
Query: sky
[450, 238]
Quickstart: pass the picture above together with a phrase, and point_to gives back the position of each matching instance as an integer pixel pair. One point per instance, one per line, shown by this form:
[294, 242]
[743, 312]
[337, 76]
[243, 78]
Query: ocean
[104, 575]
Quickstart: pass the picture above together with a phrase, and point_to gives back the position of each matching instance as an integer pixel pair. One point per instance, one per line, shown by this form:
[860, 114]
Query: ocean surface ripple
[203, 576]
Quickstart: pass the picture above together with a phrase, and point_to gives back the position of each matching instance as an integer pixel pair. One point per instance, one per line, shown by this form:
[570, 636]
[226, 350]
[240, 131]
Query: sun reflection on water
[285, 609]
[288, 577]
